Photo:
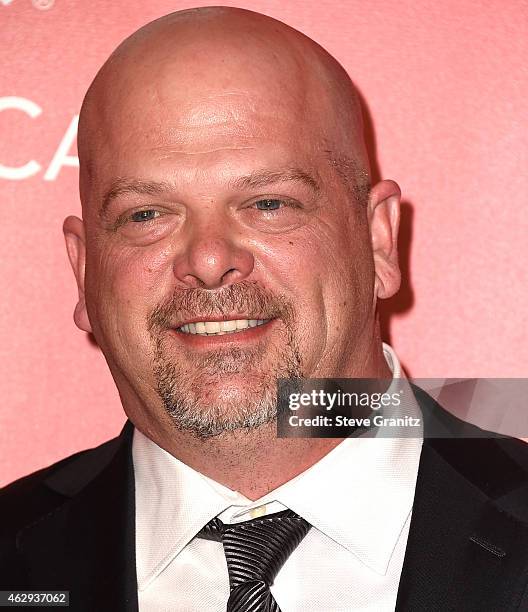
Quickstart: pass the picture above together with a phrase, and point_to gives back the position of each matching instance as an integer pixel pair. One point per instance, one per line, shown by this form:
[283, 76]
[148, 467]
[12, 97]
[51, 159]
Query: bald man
[230, 237]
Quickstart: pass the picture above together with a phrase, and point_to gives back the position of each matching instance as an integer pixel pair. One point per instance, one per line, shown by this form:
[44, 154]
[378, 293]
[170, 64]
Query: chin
[209, 408]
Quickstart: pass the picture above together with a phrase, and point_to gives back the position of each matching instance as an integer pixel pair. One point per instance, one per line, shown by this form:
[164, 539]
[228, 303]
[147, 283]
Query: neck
[253, 463]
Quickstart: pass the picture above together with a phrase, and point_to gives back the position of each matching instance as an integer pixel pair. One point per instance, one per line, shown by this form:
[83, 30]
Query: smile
[219, 328]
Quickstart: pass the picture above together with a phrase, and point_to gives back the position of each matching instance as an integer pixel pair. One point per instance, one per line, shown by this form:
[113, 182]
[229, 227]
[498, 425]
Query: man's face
[211, 205]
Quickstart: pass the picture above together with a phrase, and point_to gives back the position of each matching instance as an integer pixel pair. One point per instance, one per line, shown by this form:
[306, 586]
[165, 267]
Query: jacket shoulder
[29, 498]
[496, 464]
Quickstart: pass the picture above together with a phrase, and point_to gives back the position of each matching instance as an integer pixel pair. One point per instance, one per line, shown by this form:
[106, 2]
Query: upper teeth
[217, 328]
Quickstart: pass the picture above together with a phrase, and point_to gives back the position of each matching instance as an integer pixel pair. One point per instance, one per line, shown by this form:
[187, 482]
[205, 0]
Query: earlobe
[384, 220]
[75, 238]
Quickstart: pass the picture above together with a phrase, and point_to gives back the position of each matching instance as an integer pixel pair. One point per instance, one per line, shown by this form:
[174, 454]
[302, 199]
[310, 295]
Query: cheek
[297, 266]
[349, 286]
[337, 260]
[124, 285]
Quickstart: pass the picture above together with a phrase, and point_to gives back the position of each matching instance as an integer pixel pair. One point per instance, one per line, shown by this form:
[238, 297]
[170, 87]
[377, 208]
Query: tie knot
[256, 550]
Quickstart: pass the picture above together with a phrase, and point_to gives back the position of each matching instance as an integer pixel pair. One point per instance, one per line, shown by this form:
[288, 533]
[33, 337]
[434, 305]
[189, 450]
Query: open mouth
[220, 328]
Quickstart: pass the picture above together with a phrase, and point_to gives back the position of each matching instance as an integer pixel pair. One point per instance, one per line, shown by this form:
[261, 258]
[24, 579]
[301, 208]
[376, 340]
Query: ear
[75, 237]
[384, 221]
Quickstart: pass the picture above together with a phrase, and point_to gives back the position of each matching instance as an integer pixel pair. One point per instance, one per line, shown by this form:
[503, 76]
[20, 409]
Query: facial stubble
[187, 383]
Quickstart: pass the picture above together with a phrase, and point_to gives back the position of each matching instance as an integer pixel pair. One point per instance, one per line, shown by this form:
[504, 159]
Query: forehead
[207, 140]
[183, 108]
[203, 120]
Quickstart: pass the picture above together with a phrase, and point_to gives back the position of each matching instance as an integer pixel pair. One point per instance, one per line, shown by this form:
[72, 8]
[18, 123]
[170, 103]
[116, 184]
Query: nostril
[228, 276]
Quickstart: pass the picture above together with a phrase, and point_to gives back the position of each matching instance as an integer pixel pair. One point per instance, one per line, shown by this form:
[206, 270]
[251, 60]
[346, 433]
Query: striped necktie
[255, 551]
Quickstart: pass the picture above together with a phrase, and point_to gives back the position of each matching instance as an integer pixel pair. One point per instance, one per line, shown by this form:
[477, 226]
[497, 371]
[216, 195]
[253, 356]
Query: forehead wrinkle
[169, 153]
[210, 107]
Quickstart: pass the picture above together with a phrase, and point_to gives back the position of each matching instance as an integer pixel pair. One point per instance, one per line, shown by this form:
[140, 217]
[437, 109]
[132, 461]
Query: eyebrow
[123, 186]
[254, 180]
[267, 177]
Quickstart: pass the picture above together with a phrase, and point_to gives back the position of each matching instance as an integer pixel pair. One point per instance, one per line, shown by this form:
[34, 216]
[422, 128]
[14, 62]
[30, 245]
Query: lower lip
[250, 334]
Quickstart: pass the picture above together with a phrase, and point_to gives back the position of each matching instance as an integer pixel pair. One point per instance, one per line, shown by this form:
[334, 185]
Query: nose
[213, 258]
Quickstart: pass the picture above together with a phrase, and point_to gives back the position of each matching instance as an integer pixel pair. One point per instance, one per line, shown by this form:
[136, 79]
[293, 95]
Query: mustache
[246, 297]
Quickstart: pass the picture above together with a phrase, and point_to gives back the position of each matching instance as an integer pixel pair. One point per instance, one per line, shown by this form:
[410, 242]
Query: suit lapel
[466, 549]
[87, 545]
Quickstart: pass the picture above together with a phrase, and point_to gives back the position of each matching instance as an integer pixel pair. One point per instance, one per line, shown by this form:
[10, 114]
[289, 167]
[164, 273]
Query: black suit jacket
[71, 526]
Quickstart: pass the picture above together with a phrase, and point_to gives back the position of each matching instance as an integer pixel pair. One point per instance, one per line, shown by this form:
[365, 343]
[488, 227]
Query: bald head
[197, 78]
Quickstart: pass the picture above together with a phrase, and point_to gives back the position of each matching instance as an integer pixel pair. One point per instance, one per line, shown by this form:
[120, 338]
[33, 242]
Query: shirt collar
[360, 495]
[173, 502]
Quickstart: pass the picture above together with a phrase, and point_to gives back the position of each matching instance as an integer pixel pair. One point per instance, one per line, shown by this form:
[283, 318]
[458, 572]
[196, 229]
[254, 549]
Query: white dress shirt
[358, 499]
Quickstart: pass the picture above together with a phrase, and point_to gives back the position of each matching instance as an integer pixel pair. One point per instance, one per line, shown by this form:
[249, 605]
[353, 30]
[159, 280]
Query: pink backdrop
[446, 84]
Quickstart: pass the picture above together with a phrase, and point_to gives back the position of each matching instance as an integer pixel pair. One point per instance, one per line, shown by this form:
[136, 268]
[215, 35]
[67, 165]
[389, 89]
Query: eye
[143, 215]
[273, 213]
[268, 204]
